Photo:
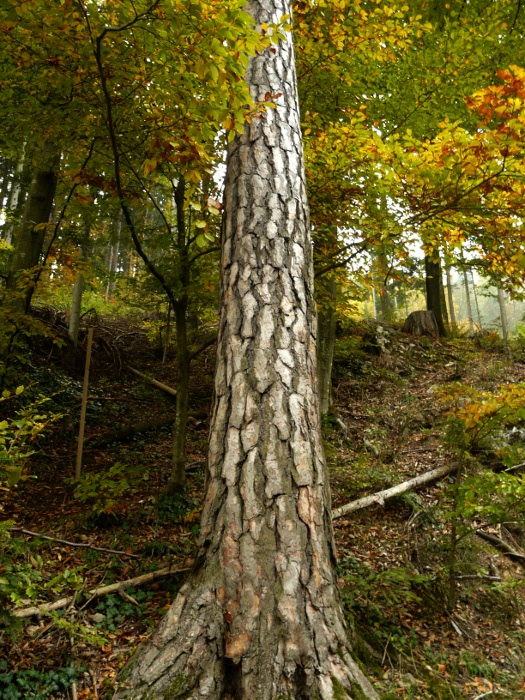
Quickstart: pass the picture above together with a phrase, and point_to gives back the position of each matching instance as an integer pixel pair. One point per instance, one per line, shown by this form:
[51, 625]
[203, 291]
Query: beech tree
[260, 616]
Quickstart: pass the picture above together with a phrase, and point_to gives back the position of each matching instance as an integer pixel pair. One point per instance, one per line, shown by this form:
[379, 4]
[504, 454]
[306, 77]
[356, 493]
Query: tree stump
[422, 323]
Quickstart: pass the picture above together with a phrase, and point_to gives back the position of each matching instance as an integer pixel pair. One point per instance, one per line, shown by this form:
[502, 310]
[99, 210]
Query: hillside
[392, 398]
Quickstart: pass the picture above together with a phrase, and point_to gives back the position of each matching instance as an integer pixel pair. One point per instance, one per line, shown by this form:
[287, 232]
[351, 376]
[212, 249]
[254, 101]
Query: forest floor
[394, 560]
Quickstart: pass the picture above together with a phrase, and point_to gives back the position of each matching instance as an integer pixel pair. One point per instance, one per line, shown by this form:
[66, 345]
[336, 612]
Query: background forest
[116, 118]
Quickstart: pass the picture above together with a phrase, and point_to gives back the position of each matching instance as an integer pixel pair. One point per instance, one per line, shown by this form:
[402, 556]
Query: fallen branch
[159, 385]
[203, 346]
[503, 547]
[73, 544]
[102, 591]
[129, 433]
[381, 496]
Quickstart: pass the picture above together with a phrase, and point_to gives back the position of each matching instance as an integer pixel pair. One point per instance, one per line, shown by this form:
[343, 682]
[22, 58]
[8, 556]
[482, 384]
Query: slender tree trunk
[476, 299]
[112, 261]
[467, 299]
[167, 336]
[326, 324]
[450, 295]
[503, 316]
[374, 303]
[31, 233]
[76, 305]
[444, 309]
[180, 310]
[6, 180]
[260, 617]
[385, 302]
[433, 291]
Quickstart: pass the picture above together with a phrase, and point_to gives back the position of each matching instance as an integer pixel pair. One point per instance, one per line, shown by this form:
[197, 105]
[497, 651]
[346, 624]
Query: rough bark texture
[421, 323]
[260, 618]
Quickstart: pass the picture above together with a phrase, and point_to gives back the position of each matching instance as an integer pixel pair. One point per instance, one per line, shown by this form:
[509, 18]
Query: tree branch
[102, 591]
[73, 544]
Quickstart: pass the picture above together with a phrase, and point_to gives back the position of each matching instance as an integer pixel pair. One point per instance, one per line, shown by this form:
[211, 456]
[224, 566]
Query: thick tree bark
[260, 617]
[433, 291]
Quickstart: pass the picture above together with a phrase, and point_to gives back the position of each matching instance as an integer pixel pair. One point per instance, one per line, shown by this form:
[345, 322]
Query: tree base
[194, 654]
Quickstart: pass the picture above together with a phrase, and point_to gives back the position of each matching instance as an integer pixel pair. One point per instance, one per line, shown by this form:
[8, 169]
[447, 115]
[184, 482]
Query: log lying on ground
[159, 385]
[502, 547]
[103, 590]
[381, 496]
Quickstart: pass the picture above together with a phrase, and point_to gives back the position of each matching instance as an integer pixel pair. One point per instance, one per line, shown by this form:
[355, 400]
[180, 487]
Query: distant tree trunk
[260, 617]
[78, 290]
[76, 305]
[467, 299]
[167, 335]
[6, 171]
[374, 303]
[450, 295]
[385, 302]
[32, 230]
[433, 286]
[326, 325]
[443, 298]
[113, 256]
[14, 200]
[180, 311]
[503, 316]
[476, 299]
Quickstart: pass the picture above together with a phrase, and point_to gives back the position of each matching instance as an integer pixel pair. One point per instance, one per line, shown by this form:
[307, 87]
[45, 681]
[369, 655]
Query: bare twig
[84, 545]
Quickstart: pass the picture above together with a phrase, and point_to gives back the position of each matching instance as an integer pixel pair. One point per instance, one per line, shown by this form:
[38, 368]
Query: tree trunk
[14, 200]
[32, 231]
[467, 299]
[112, 259]
[450, 295]
[503, 316]
[76, 304]
[433, 291]
[78, 290]
[475, 293]
[326, 324]
[180, 310]
[260, 617]
[444, 309]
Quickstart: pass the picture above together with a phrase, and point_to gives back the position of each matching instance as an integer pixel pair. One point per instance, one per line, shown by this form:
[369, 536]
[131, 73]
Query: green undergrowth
[37, 685]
